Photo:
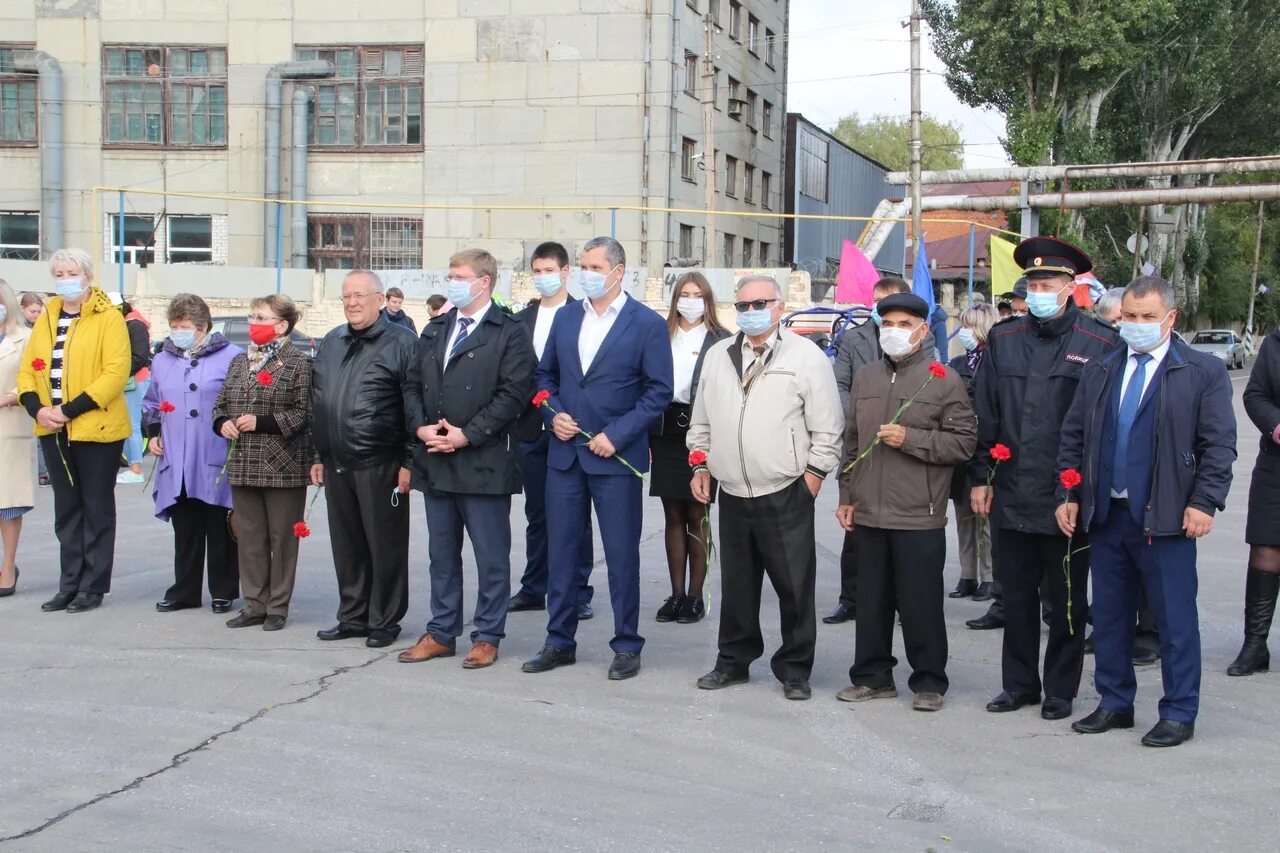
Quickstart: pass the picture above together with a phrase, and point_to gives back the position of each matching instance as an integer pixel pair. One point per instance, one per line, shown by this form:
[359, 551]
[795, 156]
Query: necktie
[463, 323]
[1124, 423]
[756, 368]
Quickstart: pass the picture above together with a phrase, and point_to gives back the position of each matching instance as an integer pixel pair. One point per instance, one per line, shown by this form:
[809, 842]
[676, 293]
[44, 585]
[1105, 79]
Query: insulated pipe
[298, 212]
[52, 152]
[1109, 198]
[293, 70]
[1226, 165]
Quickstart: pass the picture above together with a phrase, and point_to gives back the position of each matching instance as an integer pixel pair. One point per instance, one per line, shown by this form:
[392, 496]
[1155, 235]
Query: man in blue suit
[1153, 433]
[607, 370]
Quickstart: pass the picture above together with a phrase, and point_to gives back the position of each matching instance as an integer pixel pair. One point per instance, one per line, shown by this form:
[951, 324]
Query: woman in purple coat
[186, 376]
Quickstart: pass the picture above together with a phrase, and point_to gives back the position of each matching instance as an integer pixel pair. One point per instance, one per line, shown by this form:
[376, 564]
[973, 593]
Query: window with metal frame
[731, 176]
[770, 47]
[765, 260]
[395, 243]
[686, 241]
[139, 238]
[727, 259]
[688, 159]
[690, 73]
[20, 235]
[735, 19]
[750, 110]
[753, 35]
[813, 165]
[374, 101]
[164, 97]
[360, 241]
[766, 120]
[766, 190]
[748, 251]
[748, 183]
[189, 239]
[18, 102]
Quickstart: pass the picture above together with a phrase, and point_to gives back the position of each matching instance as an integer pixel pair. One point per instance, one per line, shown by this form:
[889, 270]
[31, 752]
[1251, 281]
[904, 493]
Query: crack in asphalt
[322, 684]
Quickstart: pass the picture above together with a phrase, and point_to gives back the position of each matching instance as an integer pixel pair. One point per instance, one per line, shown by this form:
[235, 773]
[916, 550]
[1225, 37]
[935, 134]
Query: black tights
[1264, 558]
[686, 545]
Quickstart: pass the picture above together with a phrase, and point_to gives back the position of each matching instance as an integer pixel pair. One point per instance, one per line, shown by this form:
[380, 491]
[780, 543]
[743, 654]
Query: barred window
[395, 243]
[18, 101]
[165, 96]
[360, 241]
[375, 99]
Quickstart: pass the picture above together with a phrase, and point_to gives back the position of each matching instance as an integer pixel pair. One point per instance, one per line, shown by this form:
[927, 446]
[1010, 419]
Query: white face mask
[896, 342]
[691, 308]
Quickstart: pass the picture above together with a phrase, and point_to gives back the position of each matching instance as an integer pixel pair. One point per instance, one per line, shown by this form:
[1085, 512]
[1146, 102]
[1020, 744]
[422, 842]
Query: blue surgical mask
[1142, 337]
[875, 315]
[1043, 305]
[967, 339]
[460, 293]
[593, 283]
[69, 289]
[548, 284]
[183, 339]
[755, 323]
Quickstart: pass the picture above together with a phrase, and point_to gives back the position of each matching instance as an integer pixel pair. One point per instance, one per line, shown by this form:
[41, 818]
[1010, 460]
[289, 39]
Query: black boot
[1259, 605]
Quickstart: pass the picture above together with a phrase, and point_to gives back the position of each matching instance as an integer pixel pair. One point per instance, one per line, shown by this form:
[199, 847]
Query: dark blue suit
[621, 394]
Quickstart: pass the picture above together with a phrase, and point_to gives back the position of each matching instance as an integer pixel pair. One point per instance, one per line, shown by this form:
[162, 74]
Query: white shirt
[1130, 367]
[476, 319]
[685, 346]
[542, 326]
[596, 326]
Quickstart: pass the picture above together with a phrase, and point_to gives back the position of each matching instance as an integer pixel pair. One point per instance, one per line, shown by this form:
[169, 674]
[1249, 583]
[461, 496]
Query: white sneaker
[128, 477]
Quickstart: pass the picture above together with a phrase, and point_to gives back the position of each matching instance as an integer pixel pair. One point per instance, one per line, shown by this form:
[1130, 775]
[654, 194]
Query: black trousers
[901, 570]
[200, 531]
[772, 535]
[849, 573]
[370, 538]
[1026, 560]
[84, 510]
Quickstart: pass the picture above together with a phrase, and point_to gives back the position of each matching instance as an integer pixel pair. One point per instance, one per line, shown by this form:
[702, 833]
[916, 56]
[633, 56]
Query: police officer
[1023, 390]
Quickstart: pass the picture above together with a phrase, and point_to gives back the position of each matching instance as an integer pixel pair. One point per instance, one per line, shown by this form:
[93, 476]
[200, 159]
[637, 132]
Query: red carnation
[1001, 453]
[37, 364]
[938, 369]
[166, 407]
[265, 378]
[541, 398]
[696, 458]
[1070, 478]
[301, 530]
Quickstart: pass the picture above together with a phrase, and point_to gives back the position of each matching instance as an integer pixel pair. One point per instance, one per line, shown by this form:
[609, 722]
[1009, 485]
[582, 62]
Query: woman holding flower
[71, 380]
[177, 412]
[264, 411]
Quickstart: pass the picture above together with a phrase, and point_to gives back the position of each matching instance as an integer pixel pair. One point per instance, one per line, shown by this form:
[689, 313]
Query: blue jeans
[133, 444]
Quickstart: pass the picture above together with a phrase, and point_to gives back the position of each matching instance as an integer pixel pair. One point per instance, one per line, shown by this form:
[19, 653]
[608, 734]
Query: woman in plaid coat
[264, 409]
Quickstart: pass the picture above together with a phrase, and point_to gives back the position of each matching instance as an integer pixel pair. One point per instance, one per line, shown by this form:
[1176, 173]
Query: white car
[1223, 343]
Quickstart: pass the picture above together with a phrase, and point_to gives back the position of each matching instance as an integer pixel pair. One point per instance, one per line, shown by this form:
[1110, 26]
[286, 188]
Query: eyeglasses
[753, 305]
[262, 318]
[355, 297]
[455, 280]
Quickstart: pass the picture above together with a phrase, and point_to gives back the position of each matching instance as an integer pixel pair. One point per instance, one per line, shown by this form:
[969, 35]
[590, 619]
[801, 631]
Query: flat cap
[908, 302]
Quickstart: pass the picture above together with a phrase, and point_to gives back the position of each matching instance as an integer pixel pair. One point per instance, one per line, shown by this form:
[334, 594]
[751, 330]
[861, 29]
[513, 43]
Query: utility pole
[709, 143]
[917, 143]
[1257, 262]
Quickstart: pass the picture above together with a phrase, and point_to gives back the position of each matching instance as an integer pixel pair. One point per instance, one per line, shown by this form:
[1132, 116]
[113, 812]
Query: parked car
[1223, 343]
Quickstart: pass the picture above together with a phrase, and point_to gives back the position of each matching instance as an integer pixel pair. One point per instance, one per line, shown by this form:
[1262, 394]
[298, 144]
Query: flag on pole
[1004, 271]
[921, 281]
[856, 278]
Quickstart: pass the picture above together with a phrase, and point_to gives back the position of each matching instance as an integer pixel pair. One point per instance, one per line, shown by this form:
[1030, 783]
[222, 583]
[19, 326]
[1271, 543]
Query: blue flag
[921, 281]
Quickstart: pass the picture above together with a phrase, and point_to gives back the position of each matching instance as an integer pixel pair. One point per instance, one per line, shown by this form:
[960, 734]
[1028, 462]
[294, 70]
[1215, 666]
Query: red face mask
[262, 333]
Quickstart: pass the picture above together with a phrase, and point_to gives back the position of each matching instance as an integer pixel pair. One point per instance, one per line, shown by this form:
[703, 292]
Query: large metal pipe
[1226, 165]
[303, 69]
[1108, 198]
[52, 150]
[298, 212]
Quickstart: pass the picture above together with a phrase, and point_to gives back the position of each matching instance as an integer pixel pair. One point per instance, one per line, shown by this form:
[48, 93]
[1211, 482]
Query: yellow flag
[1004, 272]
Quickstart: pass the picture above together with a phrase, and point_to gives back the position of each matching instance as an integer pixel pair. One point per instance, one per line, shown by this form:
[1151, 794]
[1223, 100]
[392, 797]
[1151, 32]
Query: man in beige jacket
[894, 485]
[767, 416]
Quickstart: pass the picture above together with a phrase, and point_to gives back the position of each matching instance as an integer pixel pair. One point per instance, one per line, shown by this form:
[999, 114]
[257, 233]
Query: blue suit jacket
[627, 388]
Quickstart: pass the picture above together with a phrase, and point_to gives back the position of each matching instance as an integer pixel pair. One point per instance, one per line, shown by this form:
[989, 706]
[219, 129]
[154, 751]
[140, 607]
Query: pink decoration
[857, 277]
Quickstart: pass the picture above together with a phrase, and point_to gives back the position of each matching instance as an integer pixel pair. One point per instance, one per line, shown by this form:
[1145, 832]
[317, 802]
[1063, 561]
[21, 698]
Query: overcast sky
[836, 44]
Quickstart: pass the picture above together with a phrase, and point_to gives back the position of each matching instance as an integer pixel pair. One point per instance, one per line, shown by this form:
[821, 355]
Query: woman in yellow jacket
[71, 381]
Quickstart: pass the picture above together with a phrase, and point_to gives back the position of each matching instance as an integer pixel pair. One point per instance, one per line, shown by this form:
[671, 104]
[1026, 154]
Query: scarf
[259, 355]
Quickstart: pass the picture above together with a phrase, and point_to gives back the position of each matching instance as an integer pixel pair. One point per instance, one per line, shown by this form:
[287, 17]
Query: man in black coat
[472, 378]
[1023, 389]
[362, 444]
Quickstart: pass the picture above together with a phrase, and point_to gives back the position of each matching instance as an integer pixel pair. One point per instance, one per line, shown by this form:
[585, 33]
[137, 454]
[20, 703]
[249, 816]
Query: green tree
[887, 140]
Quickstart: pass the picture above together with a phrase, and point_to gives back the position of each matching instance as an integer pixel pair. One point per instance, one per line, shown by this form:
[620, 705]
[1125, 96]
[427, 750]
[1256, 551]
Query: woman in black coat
[1262, 531]
[694, 329]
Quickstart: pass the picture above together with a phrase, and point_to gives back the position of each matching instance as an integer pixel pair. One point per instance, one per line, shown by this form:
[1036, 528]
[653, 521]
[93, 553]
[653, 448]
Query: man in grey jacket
[766, 423]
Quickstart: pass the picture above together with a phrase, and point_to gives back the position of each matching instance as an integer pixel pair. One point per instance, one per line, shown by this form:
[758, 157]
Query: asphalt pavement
[128, 729]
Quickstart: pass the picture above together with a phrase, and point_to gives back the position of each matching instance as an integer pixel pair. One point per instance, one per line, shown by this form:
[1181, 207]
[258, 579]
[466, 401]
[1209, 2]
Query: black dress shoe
[84, 602]
[168, 606]
[519, 601]
[381, 638]
[1169, 733]
[273, 622]
[691, 610]
[670, 608]
[341, 632]
[1007, 701]
[1145, 657]
[245, 619]
[58, 602]
[965, 588]
[984, 592]
[6, 591]
[584, 611]
[985, 622]
[1055, 708]
[221, 605]
[625, 665]
[842, 613]
[1101, 721]
[798, 689]
[715, 680]
[549, 658]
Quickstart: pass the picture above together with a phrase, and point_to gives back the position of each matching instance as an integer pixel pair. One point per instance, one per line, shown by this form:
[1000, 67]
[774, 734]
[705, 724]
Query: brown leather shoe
[482, 654]
[425, 649]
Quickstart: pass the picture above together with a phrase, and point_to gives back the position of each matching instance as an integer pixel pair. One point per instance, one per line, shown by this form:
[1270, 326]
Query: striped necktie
[756, 368]
[463, 323]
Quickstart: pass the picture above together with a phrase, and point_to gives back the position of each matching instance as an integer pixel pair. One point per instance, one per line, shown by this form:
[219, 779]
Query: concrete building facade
[563, 108]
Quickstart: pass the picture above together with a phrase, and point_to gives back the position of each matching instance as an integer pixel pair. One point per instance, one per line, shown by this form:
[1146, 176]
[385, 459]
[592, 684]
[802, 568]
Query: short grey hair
[1149, 284]
[10, 302]
[1109, 300]
[979, 317]
[79, 257]
[373, 277]
[613, 251]
[751, 279]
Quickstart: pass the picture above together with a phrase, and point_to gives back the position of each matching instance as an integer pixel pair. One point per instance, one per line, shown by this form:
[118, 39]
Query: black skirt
[669, 471]
[1263, 526]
